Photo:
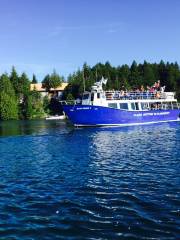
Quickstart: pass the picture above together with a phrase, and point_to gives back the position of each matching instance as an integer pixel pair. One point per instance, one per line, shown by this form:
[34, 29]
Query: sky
[37, 36]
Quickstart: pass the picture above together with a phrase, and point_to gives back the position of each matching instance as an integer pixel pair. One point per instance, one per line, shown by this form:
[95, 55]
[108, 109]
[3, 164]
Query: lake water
[57, 182]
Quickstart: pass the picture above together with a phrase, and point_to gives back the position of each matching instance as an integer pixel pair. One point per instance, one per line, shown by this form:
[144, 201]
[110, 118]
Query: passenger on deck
[152, 89]
[158, 95]
[142, 88]
[148, 88]
[122, 93]
[158, 85]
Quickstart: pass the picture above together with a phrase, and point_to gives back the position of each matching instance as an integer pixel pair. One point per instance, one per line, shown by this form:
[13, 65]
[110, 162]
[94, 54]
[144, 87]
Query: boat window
[92, 97]
[144, 106]
[133, 107]
[175, 106]
[86, 96]
[112, 105]
[163, 106]
[123, 106]
[137, 106]
[98, 95]
[168, 105]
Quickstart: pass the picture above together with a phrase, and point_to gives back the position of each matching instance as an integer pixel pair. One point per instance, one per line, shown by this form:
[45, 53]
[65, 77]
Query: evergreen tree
[46, 82]
[8, 100]
[34, 105]
[34, 80]
[162, 72]
[148, 75]
[6, 86]
[88, 80]
[55, 80]
[124, 73]
[46, 103]
[24, 85]
[14, 78]
[52, 81]
[171, 83]
[8, 107]
[134, 77]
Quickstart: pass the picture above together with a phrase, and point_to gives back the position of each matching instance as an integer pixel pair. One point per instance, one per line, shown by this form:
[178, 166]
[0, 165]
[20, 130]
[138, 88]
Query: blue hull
[87, 115]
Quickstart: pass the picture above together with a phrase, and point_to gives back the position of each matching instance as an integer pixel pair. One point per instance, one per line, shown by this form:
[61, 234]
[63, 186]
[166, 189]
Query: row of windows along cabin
[132, 101]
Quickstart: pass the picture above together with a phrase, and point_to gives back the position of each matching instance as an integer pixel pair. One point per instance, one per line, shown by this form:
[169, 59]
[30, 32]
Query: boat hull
[89, 115]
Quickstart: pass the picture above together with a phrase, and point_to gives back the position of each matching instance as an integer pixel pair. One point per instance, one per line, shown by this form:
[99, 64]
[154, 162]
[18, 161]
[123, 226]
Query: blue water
[57, 182]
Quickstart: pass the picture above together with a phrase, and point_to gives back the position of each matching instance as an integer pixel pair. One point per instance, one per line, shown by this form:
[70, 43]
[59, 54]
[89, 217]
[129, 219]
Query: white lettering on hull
[150, 114]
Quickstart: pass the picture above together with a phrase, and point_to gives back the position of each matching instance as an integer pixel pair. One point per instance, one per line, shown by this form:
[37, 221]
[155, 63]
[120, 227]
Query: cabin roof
[38, 87]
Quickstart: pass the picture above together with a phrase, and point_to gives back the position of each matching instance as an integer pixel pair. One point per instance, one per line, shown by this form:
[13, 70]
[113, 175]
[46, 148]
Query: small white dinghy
[56, 117]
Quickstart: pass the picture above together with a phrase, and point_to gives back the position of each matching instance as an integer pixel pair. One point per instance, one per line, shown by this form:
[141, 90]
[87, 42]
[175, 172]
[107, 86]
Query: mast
[84, 84]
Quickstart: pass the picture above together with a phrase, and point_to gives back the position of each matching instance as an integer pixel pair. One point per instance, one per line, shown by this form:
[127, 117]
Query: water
[57, 182]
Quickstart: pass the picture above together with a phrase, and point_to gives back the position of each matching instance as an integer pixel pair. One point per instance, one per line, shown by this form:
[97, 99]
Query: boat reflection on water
[122, 143]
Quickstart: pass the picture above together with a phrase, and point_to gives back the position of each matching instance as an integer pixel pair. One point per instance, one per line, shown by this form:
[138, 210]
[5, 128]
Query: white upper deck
[99, 97]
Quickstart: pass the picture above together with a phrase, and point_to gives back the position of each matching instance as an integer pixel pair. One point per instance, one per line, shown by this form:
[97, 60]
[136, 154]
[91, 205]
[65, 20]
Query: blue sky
[37, 36]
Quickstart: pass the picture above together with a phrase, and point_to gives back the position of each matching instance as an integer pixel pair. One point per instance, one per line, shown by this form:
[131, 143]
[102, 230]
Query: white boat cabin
[129, 101]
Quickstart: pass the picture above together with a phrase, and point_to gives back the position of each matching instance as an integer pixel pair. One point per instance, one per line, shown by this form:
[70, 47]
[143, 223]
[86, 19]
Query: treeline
[17, 101]
[125, 76]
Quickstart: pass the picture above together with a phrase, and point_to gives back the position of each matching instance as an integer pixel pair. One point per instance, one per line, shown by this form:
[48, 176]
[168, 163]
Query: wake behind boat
[122, 108]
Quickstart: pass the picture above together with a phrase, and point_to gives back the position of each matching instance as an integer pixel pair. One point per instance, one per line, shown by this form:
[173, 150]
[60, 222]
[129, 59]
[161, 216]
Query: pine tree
[148, 75]
[124, 73]
[14, 78]
[52, 81]
[34, 80]
[55, 80]
[33, 106]
[8, 100]
[134, 77]
[24, 84]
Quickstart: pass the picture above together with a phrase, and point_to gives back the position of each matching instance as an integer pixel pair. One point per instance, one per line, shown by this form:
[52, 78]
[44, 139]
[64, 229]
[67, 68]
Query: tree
[46, 103]
[33, 106]
[123, 73]
[34, 80]
[46, 83]
[8, 100]
[134, 77]
[6, 85]
[87, 79]
[14, 78]
[52, 81]
[148, 75]
[8, 107]
[70, 96]
[55, 79]
[24, 85]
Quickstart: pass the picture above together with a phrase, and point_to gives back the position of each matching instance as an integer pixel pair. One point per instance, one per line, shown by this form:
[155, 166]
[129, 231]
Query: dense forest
[18, 102]
[125, 76]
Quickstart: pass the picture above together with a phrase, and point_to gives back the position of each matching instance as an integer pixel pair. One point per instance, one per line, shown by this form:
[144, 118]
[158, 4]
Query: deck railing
[124, 95]
[117, 95]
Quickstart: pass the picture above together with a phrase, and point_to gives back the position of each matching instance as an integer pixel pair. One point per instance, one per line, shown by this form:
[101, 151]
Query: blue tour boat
[120, 108]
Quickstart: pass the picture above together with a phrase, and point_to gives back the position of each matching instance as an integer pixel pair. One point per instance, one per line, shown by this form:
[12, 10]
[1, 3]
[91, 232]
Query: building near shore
[53, 92]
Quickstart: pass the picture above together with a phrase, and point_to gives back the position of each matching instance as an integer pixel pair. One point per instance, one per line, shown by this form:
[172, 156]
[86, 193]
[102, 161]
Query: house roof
[38, 87]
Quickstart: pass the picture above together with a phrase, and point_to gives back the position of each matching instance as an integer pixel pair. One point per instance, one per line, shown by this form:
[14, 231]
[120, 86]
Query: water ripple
[106, 183]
